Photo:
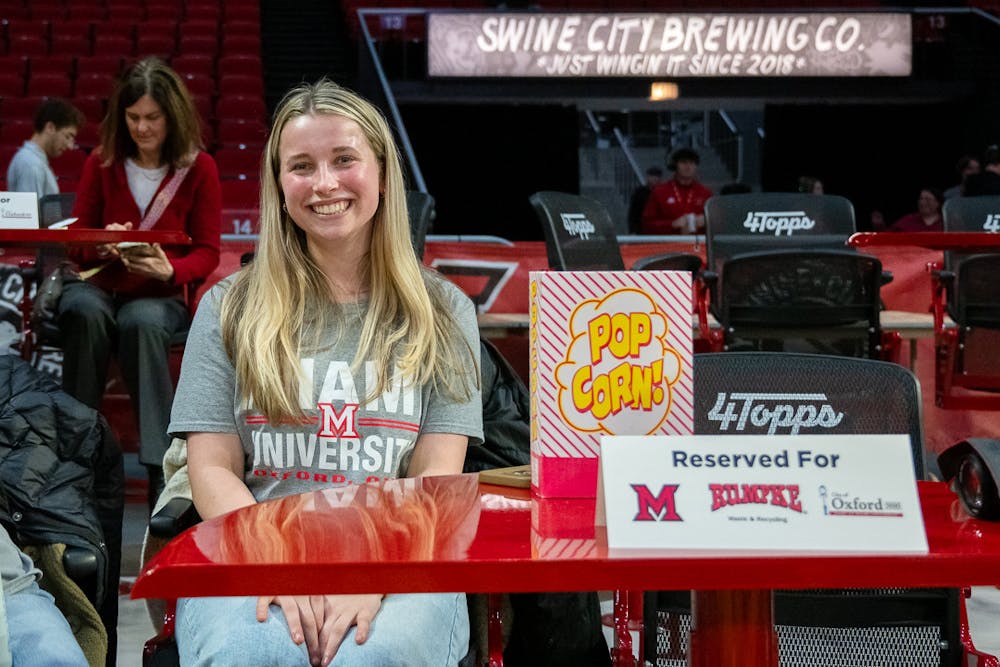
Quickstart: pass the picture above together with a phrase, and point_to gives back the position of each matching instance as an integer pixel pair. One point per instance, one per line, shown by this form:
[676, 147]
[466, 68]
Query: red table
[35, 238]
[506, 548]
[968, 241]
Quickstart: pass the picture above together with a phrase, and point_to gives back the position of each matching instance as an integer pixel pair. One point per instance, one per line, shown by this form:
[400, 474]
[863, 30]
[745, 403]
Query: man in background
[637, 203]
[677, 206]
[987, 181]
[56, 124]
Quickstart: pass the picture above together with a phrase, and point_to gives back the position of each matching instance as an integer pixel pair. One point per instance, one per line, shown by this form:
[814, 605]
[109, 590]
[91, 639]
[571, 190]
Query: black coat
[61, 474]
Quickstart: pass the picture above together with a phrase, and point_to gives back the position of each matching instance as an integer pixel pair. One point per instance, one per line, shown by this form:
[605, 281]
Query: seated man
[32, 631]
[56, 125]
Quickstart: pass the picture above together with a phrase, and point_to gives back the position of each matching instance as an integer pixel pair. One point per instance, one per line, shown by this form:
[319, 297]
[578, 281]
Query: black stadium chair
[834, 628]
[967, 373]
[781, 277]
[579, 234]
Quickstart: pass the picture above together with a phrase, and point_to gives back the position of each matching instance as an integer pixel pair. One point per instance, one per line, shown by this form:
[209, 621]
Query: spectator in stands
[927, 217]
[987, 181]
[677, 206]
[637, 202]
[967, 166]
[333, 314]
[148, 172]
[56, 125]
[810, 185]
[36, 633]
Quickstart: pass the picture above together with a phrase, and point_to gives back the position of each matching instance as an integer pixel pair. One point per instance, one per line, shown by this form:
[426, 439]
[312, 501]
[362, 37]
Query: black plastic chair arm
[886, 278]
[80, 564]
[173, 518]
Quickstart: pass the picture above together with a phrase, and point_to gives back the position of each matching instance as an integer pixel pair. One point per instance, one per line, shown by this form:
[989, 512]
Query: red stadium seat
[104, 65]
[234, 133]
[16, 132]
[236, 163]
[75, 43]
[150, 43]
[160, 26]
[199, 85]
[162, 11]
[241, 193]
[203, 104]
[62, 64]
[242, 11]
[94, 85]
[107, 43]
[11, 84]
[27, 44]
[240, 65]
[89, 11]
[7, 154]
[69, 164]
[241, 44]
[126, 10]
[89, 135]
[14, 65]
[198, 65]
[241, 85]
[92, 108]
[51, 10]
[202, 11]
[15, 26]
[207, 29]
[243, 27]
[240, 107]
[20, 108]
[50, 85]
[200, 44]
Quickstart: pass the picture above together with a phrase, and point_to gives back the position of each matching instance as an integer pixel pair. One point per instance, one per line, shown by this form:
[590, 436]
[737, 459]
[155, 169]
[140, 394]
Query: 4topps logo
[773, 411]
[992, 223]
[778, 222]
[577, 224]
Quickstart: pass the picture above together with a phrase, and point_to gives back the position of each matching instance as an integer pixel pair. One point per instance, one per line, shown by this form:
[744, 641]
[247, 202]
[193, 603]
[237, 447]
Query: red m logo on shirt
[337, 425]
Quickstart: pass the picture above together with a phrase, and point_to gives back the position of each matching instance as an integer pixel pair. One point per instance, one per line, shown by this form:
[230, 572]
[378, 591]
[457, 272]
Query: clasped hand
[322, 621]
[155, 265]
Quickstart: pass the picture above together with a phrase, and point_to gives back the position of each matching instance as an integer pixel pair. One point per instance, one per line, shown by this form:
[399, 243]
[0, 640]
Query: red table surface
[37, 237]
[506, 555]
[971, 241]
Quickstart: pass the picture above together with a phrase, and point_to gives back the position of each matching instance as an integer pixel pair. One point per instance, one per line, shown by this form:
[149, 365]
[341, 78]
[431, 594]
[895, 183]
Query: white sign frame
[853, 493]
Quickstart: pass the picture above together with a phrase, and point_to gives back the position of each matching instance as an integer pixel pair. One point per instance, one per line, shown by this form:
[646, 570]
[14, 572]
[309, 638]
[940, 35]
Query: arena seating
[75, 48]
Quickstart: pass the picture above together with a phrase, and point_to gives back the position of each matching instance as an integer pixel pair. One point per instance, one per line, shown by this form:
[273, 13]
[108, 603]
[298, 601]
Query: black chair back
[826, 297]
[754, 222]
[971, 214]
[670, 261]
[579, 233]
[420, 207]
[55, 207]
[819, 394]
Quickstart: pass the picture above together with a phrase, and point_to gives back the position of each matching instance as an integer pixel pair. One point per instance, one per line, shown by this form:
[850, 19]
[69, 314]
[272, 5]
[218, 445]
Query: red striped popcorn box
[610, 355]
[563, 527]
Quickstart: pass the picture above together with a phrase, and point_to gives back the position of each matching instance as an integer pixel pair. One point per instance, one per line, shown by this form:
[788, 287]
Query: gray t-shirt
[29, 171]
[345, 440]
[16, 570]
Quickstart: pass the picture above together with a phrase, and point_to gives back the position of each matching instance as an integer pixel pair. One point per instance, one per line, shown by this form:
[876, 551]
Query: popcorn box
[563, 527]
[610, 355]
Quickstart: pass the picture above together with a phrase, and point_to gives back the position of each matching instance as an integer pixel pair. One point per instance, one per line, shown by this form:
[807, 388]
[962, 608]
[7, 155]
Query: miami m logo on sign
[661, 507]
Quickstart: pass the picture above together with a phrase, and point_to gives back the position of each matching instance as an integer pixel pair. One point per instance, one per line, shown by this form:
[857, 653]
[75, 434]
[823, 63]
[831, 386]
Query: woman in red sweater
[147, 173]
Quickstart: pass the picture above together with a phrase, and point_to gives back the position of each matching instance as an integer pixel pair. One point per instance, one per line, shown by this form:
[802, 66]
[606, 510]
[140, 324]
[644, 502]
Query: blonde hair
[283, 295]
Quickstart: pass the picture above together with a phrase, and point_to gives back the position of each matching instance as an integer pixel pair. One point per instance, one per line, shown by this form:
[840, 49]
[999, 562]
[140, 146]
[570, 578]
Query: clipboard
[515, 476]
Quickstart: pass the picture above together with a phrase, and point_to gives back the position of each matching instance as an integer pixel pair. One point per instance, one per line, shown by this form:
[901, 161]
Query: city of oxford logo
[577, 224]
[775, 411]
[778, 495]
[778, 222]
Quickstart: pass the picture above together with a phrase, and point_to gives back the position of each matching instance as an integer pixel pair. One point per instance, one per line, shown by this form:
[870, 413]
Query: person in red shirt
[148, 173]
[677, 206]
[927, 217]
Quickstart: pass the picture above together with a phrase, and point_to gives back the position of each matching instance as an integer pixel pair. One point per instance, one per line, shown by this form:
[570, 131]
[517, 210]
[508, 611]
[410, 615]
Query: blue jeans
[38, 633]
[412, 630]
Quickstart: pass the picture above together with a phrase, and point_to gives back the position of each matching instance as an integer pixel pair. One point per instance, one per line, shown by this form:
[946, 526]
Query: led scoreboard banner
[668, 45]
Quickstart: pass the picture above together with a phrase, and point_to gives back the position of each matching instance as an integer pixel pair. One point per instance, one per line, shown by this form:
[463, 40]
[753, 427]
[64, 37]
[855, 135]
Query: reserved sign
[18, 210]
[789, 492]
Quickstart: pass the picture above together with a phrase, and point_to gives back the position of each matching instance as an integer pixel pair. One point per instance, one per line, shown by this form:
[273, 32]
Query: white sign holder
[787, 492]
[18, 210]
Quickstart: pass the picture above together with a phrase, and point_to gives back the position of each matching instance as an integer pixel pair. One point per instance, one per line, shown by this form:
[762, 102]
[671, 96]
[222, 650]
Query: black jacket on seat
[61, 476]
